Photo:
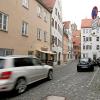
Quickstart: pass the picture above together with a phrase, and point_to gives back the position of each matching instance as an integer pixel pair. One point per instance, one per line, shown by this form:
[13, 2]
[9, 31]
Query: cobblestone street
[67, 83]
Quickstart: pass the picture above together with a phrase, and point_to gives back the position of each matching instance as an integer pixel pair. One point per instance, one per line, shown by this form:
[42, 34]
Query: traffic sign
[94, 12]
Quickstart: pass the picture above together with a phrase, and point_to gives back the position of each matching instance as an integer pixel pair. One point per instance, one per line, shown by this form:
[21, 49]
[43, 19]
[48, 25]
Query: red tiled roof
[49, 4]
[66, 24]
[86, 23]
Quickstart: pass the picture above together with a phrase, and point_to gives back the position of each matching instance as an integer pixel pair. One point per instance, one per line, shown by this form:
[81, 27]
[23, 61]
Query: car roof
[16, 56]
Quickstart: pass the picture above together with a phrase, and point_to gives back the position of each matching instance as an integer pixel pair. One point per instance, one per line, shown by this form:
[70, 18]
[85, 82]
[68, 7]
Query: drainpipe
[50, 30]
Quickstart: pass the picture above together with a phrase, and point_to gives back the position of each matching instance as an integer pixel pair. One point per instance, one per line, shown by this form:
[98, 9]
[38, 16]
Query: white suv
[16, 72]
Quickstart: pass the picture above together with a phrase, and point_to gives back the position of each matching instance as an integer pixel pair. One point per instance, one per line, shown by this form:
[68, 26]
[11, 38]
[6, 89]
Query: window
[45, 16]
[97, 47]
[86, 38]
[58, 15]
[83, 47]
[36, 61]
[87, 47]
[83, 38]
[45, 35]
[90, 30]
[25, 3]
[52, 22]
[6, 51]
[3, 22]
[97, 30]
[21, 62]
[83, 30]
[2, 62]
[90, 38]
[68, 56]
[38, 34]
[59, 43]
[52, 40]
[24, 29]
[55, 25]
[39, 11]
[84, 56]
[56, 11]
[97, 39]
[58, 28]
[56, 41]
[90, 47]
[30, 52]
[86, 30]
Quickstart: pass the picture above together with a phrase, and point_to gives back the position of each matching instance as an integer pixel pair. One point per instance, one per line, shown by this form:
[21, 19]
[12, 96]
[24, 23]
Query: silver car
[16, 72]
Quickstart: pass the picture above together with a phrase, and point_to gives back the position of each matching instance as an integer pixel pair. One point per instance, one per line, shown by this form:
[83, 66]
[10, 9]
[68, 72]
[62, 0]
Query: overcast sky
[75, 10]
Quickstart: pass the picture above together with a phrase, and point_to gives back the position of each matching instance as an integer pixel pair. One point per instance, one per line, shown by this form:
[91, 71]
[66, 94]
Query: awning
[48, 52]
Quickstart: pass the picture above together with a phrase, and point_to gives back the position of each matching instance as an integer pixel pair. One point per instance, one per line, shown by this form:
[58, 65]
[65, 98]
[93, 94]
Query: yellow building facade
[24, 28]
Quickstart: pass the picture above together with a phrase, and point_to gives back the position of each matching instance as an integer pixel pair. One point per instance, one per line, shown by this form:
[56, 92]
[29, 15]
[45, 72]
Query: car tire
[99, 65]
[92, 69]
[20, 86]
[50, 75]
[78, 70]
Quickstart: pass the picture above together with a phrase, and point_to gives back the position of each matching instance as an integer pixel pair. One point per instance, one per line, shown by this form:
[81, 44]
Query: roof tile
[86, 23]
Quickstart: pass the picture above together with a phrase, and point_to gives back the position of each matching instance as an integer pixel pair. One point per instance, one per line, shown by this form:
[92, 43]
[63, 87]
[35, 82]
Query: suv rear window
[1, 63]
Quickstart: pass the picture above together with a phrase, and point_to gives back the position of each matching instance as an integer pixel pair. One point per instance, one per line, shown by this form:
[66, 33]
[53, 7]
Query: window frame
[45, 16]
[52, 22]
[24, 28]
[45, 36]
[97, 38]
[39, 34]
[3, 23]
[39, 11]
[98, 47]
[25, 3]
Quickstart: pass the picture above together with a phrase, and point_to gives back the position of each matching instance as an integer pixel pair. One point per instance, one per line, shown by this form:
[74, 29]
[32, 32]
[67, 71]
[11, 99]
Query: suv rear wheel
[20, 86]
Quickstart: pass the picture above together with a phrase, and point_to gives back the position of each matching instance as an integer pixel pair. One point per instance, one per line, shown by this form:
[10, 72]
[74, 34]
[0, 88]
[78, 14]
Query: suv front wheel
[50, 75]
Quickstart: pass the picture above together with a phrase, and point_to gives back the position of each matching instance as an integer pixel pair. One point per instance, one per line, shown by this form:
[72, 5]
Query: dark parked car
[98, 61]
[85, 65]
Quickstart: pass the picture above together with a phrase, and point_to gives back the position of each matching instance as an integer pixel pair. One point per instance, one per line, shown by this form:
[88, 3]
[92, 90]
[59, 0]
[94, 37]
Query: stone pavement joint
[55, 98]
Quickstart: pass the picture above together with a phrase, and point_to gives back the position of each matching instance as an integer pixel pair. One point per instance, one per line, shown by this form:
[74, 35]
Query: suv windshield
[1, 63]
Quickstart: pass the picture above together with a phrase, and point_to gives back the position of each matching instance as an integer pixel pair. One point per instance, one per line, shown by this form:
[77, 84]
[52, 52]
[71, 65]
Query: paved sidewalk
[55, 98]
[64, 64]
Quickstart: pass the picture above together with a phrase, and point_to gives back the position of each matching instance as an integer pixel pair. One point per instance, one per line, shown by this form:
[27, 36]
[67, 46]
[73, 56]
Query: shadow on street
[8, 95]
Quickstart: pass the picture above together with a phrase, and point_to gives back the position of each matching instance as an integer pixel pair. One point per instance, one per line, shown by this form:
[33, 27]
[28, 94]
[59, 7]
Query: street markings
[93, 77]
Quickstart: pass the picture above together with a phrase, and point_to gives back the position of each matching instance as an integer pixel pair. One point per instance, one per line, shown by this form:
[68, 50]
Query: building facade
[25, 28]
[90, 40]
[73, 27]
[57, 32]
[68, 30]
[65, 45]
[76, 38]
